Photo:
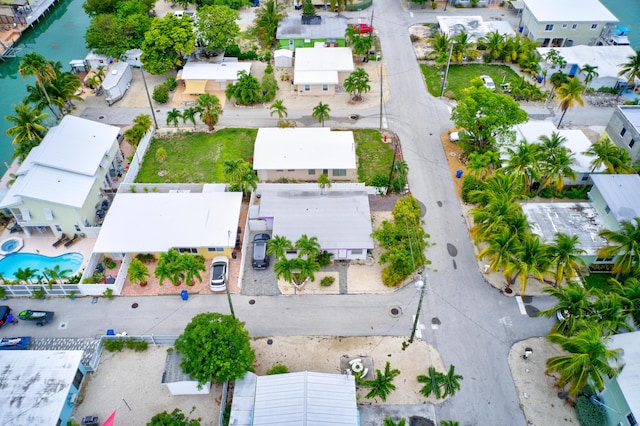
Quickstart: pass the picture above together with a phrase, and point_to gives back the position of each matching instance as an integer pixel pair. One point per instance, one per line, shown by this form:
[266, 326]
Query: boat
[616, 36]
[39, 317]
[11, 343]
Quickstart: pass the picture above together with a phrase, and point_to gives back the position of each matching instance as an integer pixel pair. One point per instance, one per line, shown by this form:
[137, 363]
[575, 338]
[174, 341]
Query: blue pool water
[11, 263]
[9, 245]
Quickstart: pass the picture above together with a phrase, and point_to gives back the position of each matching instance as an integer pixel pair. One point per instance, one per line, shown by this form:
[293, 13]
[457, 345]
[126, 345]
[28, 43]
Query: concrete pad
[312, 287]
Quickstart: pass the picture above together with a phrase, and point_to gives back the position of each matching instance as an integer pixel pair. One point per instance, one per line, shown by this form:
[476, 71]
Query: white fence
[138, 157]
[99, 289]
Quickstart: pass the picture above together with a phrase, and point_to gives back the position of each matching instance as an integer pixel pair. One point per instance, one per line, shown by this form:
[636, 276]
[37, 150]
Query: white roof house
[223, 71]
[63, 168]
[156, 222]
[295, 399]
[569, 10]
[320, 65]
[36, 386]
[620, 193]
[340, 218]
[629, 378]
[474, 26]
[330, 27]
[304, 148]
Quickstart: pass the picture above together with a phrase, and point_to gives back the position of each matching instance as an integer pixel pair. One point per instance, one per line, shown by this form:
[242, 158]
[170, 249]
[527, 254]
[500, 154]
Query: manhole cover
[435, 323]
[134, 305]
[423, 208]
[395, 311]
[62, 326]
[354, 117]
[439, 203]
[453, 154]
[252, 302]
[269, 342]
[101, 117]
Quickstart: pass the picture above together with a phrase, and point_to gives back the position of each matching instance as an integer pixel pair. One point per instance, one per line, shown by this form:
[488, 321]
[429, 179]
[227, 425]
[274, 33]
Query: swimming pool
[12, 262]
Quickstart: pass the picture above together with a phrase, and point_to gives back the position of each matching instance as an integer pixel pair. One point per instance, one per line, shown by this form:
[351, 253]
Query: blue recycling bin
[184, 294]
[458, 174]
[111, 332]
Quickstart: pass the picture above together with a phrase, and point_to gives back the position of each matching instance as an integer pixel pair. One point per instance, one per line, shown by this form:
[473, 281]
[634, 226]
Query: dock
[15, 19]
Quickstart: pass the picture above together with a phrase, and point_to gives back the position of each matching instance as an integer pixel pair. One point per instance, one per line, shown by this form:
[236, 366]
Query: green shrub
[74, 279]
[38, 293]
[113, 345]
[250, 55]
[3, 292]
[117, 344]
[108, 293]
[576, 193]
[267, 58]
[161, 93]
[588, 414]
[324, 258]
[232, 51]
[379, 181]
[470, 183]
[146, 257]
[391, 277]
[327, 281]
[172, 84]
[277, 369]
[269, 88]
[269, 68]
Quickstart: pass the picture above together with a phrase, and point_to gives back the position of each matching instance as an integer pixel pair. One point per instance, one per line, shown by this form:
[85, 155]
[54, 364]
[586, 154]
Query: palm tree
[590, 73]
[190, 114]
[34, 64]
[278, 108]
[451, 382]
[523, 163]
[631, 69]
[573, 303]
[324, 182]
[611, 313]
[357, 83]
[248, 180]
[173, 117]
[569, 94]
[309, 247]
[143, 121]
[493, 44]
[27, 124]
[278, 246]
[565, 255]
[631, 292]
[321, 112]
[233, 169]
[607, 154]
[209, 109]
[433, 383]
[193, 266]
[266, 21]
[297, 271]
[162, 271]
[530, 258]
[361, 44]
[382, 385]
[55, 274]
[555, 161]
[440, 44]
[499, 252]
[462, 47]
[138, 272]
[25, 274]
[625, 248]
[170, 266]
[389, 422]
[588, 362]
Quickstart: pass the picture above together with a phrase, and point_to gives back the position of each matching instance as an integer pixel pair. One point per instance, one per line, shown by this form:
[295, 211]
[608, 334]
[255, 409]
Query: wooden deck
[11, 28]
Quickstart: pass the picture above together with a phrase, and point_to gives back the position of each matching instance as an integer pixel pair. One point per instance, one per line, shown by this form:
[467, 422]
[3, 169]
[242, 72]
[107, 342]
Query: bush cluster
[588, 414]
[113, 345]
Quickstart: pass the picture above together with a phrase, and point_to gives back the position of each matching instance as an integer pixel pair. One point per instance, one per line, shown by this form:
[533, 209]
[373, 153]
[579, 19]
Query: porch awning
[195, 87]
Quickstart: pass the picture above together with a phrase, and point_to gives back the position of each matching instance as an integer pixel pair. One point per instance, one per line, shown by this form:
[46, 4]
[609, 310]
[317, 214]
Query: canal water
[59, 36]
[628, 12]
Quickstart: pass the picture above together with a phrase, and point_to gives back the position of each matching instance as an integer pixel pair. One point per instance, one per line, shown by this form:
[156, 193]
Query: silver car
[219, 273]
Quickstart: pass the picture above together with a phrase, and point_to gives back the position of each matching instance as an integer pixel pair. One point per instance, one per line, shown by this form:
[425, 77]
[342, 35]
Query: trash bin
[184, 294]
[110, 332]
[458, 174]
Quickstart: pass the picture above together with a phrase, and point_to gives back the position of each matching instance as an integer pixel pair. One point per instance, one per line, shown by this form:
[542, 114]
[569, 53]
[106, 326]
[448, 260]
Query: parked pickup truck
[39, 317]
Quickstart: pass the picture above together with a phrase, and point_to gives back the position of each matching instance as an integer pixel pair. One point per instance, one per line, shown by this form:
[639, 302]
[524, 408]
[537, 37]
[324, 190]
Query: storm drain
[395, 311]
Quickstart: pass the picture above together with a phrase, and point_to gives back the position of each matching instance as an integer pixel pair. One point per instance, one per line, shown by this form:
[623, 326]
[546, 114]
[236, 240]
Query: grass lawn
[598, 281]
[374, 155]
[196, 157]
[460, 77]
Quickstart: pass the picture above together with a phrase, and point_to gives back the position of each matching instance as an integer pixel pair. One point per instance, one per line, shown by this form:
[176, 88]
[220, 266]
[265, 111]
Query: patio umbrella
[110, 420]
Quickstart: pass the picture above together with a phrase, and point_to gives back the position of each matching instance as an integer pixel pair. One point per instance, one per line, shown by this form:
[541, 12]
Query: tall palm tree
[499, 251]
[462, 47]
[631, 69]
[357, 83]
[278, 108]
[555, 161]
[173, 117]
[382, 385]
[530, 258]
[297, 271]
[493, 44]
[606, 154]
[233, 169]
[569, 94]
[432, 383]
[590, 73]
[248, 180]
[27, 124]
[193, 266]
[321, 112]
[190, 115]
[25, 275]
[589, 359]
[143, 121]
[612, 315]
[523, 163]
[631, 292]
[625, 248]
[440, 44]
[573, 302]
[34, 64]
[56, 273]
[210, 110]
[451, 382]
[309, 247]
[278, 246]
[565, 256]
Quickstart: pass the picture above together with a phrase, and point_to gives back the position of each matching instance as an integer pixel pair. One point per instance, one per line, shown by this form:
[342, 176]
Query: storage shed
[117, 82]
[283, 58]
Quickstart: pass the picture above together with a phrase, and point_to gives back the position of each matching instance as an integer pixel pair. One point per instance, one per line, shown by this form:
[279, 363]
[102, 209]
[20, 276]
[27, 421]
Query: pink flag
[110, 420]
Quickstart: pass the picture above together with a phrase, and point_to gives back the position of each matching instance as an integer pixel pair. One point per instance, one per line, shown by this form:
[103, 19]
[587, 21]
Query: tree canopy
[246, 91]
[113, 35]
[167, 42]
[216, 27]
[174, 418]
[266, 21]
[486, 116]
[215, 347]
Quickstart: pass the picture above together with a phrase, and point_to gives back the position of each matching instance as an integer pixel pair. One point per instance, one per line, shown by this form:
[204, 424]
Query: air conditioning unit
[73, 399]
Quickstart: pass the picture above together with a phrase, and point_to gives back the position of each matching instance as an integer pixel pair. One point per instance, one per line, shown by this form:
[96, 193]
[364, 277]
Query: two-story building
[62, 185]
[303, 154]
[624, 129]
[565, 23]
[296, 31]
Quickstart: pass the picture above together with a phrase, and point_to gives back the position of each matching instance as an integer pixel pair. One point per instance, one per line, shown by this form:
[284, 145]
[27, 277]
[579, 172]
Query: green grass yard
[460, 76]
[199, 157]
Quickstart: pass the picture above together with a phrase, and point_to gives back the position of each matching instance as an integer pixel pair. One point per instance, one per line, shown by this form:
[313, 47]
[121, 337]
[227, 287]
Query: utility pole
[446, 74]
[380, 92]
[146, 89]
[393, 163]
[420, 285]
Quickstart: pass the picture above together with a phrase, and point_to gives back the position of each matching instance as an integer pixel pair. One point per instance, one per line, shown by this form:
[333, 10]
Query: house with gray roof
[293, 32]
[624, 129]
[616, 197]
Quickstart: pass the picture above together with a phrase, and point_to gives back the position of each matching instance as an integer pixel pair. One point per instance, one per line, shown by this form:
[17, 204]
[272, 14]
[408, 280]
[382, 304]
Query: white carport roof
[569, 11]
[304, 148]
[224, 71]
[156, 222]
[340, 219]
[606, 58]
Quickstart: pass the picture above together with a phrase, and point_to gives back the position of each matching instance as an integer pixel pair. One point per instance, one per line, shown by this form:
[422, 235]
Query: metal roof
[629, 377]
[114, 74]
[340, 218]
[332, 27]
[632, 112]
[223, 71]
[606, 58]
[580, 219]
[324, 59]
[305, 399]
[156, 222]
[621, 193]
[570, 11]
[474, 26]
[35, 385]
[304, 148]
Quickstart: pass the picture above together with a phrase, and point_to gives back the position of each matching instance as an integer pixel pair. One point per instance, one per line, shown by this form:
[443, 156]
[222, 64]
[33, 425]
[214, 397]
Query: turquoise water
[11, 263]
[59, 36]
[628, 12]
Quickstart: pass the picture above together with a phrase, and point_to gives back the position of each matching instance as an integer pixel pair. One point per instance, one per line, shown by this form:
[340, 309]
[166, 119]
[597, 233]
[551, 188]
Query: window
[26, 214]
[294, 252]
[77, 228]
[325, 172]
[279, 170]
[564, 26]
[607, 209]
[604, 259]
[632, 142]
[291, 170]
[574, 26]
[312, 171]
[339, 172]
[48, 213]
[623, 131]
[594, 26]
[632, 420]
[585, 178]
[58, 228]
[307, 88]
[77, 380]
[325, 87]
[358, 251]
[214, 249]
[188, 250]
[548, 27]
